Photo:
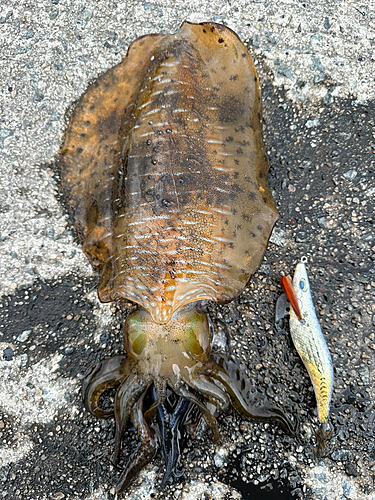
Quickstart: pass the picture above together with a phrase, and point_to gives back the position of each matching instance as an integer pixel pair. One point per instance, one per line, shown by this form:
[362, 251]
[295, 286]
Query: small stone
[38, 96]
[285, 71]
[8, 354]
[104, 338]
[328, 98]
[312, 123]
[317, 65]
[319, 78]
[278, 237]
[219, 458]
[346, 488]
[350, 174]
[24, 336]
[322, 477]
[346, 136]
[322, 221]
[351, 470]
[273, 39]
[327, 24]
[24, 359]
[28, 34]
[371, 450]
[301, 237]
[255, 41]
[6, 17]
[50, 232]
[341, 455]
[364, 374]
[4, 133]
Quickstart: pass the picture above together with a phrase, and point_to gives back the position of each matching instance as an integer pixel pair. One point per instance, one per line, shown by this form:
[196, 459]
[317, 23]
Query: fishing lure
[311, 346]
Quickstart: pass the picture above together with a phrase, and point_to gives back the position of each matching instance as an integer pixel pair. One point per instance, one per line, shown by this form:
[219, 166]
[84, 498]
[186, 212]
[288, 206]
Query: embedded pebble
[24, 359]
[350, 174]
[278, 237]
[220, 458]
[24, 336]
[312, 123]
[341, 455]
[8, 354]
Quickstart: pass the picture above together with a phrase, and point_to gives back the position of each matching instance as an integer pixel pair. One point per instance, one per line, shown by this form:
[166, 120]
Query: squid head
[175, 356]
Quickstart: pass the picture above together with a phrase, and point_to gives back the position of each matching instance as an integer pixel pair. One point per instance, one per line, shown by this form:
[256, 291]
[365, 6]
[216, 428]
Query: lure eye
[303, 285]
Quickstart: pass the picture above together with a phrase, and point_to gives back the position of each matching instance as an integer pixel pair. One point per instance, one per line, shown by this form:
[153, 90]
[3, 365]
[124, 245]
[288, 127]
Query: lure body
[311, 346]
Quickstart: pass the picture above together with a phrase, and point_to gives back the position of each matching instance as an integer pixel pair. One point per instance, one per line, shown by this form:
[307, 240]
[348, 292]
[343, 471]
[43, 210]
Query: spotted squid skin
[165, 168]
[310, 343]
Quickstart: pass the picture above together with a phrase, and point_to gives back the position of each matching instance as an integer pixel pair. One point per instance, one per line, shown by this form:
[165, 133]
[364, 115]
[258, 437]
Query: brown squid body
[164, 168]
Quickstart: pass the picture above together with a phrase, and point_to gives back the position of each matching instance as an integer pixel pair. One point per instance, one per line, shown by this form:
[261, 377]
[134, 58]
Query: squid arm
[227, 375]
[103, 376]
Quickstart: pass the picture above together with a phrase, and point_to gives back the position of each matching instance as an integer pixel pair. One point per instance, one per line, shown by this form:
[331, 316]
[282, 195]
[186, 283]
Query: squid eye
[303, 285]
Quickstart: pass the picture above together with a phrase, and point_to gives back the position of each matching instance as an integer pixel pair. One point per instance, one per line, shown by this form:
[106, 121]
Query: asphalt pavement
[316, 64]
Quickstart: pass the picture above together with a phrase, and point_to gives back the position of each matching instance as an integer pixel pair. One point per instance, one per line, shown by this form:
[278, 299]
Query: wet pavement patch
[46, 318]
[250, 491]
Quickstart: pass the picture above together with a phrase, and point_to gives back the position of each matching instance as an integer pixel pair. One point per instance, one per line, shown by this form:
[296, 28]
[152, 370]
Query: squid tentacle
[228, 374]
[126, 397]
[162, 418]
[171, 436]
[145, 452]
[160, 391]
[207, 416]
[102, 376]
[210, 390]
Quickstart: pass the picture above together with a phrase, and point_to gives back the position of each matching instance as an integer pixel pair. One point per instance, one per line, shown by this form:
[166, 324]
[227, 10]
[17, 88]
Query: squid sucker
[310, 343]
[164, 168]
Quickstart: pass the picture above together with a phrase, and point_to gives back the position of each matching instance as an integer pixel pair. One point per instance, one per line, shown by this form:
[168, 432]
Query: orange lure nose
[286, 283]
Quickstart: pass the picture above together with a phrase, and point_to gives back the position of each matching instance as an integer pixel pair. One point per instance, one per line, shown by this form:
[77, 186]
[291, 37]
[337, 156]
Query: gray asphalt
[316, 64]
